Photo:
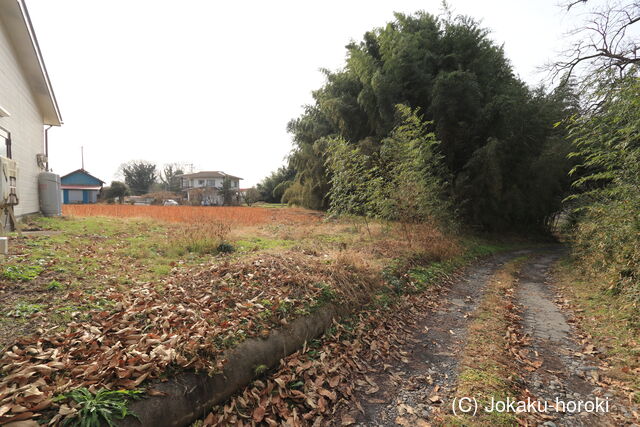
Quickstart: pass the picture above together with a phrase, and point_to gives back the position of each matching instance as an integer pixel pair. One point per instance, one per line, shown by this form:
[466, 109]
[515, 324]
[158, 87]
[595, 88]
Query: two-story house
[207, 188]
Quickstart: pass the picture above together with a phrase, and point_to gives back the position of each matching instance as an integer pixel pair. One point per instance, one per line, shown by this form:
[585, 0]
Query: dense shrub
[607, 218]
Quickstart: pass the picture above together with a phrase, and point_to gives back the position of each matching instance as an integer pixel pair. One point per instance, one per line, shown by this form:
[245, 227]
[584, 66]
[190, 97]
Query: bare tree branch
[604, 43]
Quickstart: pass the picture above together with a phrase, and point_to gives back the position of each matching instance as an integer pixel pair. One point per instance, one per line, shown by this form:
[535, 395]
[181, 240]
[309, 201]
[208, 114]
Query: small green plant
[104, 406]
[54, 285]
[327, 294]
[24, 309]
[24, 273]
[397, 284]
[260, 369]
[225, 248]
[295, 385]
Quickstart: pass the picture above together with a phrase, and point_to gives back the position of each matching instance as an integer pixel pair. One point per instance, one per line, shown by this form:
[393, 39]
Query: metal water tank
[50, 194]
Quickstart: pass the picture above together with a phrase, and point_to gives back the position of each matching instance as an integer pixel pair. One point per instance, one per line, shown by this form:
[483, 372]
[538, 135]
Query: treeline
[142, 177]
[606, 218]
[495, 156]
[604, 221]
[427, 121]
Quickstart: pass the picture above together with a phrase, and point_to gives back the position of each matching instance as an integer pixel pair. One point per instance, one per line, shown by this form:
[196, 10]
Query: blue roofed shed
[80, 187]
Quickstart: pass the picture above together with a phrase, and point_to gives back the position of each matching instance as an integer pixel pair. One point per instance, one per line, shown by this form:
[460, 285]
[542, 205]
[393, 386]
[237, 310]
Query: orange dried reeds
[232, 215]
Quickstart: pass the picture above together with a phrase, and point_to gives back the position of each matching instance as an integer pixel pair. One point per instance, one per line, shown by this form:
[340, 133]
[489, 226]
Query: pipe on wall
[46, 146]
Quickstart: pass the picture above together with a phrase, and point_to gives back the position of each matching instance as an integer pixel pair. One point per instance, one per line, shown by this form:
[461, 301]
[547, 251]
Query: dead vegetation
[317, 385]
[488, 362]
[123, 327]
[186, 321]
[611, 336]
[232, 215]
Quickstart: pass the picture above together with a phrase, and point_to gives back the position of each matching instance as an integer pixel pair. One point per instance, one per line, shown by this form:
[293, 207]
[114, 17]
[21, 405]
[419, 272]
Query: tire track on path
[568, 378]
[420, 388]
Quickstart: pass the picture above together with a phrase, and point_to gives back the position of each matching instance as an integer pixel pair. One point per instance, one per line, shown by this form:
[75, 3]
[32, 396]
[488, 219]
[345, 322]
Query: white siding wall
[25, 125]
[217, 182]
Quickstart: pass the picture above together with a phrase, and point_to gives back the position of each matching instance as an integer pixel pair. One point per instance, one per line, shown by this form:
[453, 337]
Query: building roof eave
[16, 19]
[83, 172]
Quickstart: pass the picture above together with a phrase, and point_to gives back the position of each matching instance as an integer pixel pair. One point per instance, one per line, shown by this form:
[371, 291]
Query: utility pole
[82, 155]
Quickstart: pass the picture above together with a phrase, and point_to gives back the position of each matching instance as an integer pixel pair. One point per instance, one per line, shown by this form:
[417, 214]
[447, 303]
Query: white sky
[214, 83]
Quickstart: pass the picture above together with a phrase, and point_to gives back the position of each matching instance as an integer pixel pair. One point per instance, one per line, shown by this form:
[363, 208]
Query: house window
[5, 143]
[201, 182]
[210, 183]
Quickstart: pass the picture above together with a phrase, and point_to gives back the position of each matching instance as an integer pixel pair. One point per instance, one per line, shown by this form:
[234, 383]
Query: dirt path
[567, 375]
[420, 388]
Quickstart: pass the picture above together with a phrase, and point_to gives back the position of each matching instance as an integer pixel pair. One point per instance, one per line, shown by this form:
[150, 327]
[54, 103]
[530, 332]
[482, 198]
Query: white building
[27, 102]
[205, 187]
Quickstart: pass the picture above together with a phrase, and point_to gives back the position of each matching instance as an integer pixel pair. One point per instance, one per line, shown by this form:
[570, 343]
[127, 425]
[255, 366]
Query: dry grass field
[232, 215]
[179, 285]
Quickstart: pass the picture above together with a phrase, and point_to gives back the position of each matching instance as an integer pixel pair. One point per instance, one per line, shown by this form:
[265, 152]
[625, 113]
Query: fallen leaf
[347, 420]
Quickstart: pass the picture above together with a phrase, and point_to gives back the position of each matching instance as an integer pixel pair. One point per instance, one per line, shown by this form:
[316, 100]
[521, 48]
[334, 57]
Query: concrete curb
[190, 396]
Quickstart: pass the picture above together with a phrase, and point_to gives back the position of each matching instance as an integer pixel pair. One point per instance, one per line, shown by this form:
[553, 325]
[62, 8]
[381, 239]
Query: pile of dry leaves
[186, 321]
[317, 385]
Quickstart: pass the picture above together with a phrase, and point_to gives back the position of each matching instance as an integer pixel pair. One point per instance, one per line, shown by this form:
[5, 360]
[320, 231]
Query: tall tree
[227, 191]
[604, 64]
[117, 191]
[169, 176]
[272, 187]
[460, 80]
[606, 43]
[139, 175]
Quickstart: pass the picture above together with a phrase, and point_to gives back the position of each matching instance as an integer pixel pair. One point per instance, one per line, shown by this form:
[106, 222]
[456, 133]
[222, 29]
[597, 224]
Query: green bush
[606, 221]
[225, 248]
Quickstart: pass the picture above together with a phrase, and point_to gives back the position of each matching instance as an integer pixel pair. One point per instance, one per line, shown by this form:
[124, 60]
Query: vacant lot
[232, 215]
[111, 301]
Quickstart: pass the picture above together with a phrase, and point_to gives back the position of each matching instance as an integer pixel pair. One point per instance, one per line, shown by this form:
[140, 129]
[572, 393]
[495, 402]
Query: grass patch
[54, 285]
[262, 243]
[86, 255]
[610, 320]
[25, 309]
[19, 272]
[486, 366]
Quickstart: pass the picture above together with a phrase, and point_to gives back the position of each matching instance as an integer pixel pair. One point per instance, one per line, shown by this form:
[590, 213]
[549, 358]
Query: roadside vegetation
[488, 366]
[486, 145]
[81, 294]
[608, 324]
[424, 137]
[601, 280]
[318, 384]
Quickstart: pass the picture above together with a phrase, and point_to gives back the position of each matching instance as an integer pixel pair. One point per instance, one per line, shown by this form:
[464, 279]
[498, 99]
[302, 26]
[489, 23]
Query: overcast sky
[214, 83]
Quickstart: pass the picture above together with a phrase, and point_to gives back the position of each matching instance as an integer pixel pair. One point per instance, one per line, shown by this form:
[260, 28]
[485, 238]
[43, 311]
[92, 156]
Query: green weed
[25, 310]
[54, 285]
[23, 273]
[105, 406]
[260, 369]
